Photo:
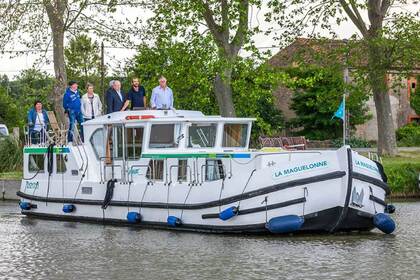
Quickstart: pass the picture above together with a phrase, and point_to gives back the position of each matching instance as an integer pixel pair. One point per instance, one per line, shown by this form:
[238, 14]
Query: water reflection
[37, 249]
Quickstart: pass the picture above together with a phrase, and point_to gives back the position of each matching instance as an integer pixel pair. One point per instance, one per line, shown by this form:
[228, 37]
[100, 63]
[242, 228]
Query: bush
[353, 142]
[11, 156]
[402, 176]
[409, 135]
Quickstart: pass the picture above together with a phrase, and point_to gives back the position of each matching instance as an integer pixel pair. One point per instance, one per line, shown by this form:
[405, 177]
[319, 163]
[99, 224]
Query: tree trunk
[55, 11]
[223, 91]
[60, 74]
[386, 130]
[378, 82]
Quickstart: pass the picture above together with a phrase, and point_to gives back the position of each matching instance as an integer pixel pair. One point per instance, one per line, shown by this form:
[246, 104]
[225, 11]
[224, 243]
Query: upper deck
[160, 116]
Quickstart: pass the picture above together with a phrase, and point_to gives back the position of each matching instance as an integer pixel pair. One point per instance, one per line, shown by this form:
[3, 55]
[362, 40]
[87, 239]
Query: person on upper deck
[73, 109]
[37, 122]
[162, 96]
[91, 104]
[137, 94]
[116, 100]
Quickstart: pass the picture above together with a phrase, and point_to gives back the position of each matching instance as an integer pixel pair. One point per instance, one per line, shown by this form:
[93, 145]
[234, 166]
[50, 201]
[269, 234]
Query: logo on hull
[299, 169]
[357, 198]
[32, 185]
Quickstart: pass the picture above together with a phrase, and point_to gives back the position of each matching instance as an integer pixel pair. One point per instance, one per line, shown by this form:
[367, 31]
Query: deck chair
[58, 134]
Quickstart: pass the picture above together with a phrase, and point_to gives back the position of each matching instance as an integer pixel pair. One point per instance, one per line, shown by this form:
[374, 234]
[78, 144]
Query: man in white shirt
[162, 96]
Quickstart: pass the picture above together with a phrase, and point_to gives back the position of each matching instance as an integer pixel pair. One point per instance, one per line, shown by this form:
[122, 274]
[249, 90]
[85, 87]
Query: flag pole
[346, 80]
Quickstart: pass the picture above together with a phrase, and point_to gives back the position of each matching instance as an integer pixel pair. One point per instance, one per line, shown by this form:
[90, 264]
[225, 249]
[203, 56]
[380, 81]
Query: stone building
[326, 52]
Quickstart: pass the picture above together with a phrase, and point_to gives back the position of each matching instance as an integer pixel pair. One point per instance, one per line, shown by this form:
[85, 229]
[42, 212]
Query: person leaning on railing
[37, 122]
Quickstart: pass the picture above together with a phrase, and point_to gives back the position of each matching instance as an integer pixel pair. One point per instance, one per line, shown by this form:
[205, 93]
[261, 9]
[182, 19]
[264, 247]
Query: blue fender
[285, 224]
[24, 205]
[68, 208]
[174, 221]
[384, 223]
[133, 217]
[228, 213]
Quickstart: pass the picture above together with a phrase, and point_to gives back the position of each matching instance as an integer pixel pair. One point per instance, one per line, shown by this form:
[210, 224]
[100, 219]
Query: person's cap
[72, 83]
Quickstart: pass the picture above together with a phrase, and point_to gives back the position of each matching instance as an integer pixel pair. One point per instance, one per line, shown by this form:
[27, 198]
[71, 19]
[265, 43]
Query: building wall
[400, 106]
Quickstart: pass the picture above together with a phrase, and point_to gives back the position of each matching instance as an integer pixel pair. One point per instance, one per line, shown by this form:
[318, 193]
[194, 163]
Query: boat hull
[341, 195]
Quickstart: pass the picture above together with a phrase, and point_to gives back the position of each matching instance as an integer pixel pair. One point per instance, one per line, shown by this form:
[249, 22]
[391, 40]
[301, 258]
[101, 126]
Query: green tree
[39, 25]
[83, 61]
[31, 85]
[225, 21]
[10, 113]
[317, 93]
[190, 69]
[389, 40]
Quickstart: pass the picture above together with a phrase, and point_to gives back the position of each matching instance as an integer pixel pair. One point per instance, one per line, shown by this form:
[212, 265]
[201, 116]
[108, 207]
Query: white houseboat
[186, 171]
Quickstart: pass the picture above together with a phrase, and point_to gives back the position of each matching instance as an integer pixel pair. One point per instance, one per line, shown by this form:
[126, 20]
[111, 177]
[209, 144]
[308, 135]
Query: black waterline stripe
[377, 200]
[259, 209]
[371, 180]
[215, 203]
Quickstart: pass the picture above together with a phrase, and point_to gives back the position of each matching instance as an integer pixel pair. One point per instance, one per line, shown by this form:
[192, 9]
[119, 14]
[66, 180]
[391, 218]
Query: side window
[235, 135]
[155, 170]
[182, 170]
[202, 135]
[214, 170]
[134, 141]
[164, 136]
[36, 163]
[61, 163]
[97, 142]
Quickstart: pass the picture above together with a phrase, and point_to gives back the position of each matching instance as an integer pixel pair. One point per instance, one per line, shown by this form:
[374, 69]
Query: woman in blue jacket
[37, 122]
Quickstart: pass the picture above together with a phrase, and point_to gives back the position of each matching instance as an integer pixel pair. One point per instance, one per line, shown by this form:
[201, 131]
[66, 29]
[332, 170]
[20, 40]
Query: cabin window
[182, 170]
[214, 170]
[60, 163]
[165, 136]
[155, 170]
[134, 139]
[117, 140]
[36, 163]
[235, 135]
[202, 135]
[97, 142]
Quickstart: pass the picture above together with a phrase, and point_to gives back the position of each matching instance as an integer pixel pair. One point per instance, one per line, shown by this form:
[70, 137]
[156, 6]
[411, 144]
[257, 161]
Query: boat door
[136, 167]
[114, 160]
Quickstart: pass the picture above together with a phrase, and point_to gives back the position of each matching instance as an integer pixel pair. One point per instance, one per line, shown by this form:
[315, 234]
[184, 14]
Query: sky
[116, 57]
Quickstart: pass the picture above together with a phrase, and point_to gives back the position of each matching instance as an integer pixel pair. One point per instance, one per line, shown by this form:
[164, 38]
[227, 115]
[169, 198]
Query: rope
[109, 193]
[305, 193]
[50, 159]
[185, 200]
[220, 194]
[142, 197]
[246, 185]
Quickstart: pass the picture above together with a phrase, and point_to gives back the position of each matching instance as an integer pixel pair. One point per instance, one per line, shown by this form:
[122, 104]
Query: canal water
[40, 249]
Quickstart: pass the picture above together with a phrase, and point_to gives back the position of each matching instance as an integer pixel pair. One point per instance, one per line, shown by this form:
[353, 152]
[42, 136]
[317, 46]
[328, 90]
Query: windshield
[202, 135]
[3, 131]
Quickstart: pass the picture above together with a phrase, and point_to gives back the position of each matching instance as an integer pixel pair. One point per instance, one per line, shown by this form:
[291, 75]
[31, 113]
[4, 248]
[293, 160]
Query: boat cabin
[123, 140]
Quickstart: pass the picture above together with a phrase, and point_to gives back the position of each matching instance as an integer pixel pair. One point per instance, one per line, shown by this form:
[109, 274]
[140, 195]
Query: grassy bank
[11, 175]
[403, 171]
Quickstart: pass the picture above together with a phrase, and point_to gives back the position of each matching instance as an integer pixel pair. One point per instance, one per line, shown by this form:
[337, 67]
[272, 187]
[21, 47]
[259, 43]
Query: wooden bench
[289, 143]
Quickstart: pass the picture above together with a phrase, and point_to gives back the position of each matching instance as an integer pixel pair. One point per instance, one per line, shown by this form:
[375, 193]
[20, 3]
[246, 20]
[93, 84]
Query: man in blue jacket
[37, 122]
[73, 109]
